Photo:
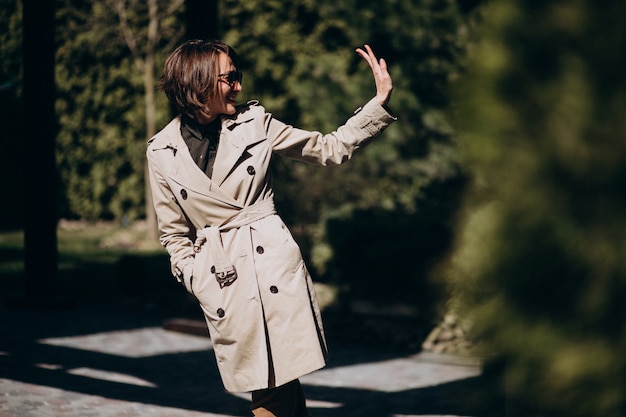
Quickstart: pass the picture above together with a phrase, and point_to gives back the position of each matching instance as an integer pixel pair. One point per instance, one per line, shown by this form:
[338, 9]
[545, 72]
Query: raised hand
[384, 85]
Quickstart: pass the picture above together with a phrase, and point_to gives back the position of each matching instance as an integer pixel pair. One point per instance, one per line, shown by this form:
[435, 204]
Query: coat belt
[223, 269]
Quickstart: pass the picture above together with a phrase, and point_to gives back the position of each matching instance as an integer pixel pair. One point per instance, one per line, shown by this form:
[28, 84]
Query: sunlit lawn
[98, 242]
[101, 262]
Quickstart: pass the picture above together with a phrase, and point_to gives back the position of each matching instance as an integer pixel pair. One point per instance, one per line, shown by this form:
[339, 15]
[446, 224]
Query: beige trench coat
[269, 315]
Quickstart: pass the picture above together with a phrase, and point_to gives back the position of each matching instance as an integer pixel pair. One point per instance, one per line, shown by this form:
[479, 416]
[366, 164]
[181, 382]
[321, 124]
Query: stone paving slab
[18, 399]
[393, 375]
[134, 343]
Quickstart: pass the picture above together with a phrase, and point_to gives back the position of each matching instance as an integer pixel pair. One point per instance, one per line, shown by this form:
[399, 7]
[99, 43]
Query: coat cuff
[374, 117]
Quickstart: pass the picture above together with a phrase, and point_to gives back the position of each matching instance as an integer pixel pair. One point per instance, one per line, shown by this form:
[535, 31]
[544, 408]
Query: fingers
[368, 55]
[384, 85]
[379, 67]
[383, 64]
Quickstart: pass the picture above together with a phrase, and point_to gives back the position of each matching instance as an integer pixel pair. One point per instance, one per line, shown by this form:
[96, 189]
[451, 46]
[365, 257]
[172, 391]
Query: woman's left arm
[338, 146]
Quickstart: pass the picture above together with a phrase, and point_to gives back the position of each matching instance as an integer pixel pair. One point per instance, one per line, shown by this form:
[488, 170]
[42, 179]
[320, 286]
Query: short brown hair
[190, 74]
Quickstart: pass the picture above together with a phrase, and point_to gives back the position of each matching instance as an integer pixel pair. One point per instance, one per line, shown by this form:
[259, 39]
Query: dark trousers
[284, 401]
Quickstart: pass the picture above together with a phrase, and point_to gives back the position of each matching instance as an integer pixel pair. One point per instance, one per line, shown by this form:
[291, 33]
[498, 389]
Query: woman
[212, 191]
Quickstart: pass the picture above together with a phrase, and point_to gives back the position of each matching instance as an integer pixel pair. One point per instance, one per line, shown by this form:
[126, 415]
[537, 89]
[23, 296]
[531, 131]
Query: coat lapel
[232, 150]
[229, 151]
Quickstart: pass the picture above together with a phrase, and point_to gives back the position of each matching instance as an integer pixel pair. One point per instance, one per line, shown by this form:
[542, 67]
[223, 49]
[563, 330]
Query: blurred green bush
[540, 262]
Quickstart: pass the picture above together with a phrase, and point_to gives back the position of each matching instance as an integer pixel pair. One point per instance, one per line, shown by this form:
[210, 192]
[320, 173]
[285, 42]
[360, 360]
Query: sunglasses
[232, 77]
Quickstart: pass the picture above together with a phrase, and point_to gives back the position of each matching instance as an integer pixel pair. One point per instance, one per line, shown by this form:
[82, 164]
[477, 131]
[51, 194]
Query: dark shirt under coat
[202, 141]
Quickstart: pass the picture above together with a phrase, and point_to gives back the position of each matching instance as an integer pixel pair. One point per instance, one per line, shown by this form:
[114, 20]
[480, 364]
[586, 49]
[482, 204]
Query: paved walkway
[111, 361]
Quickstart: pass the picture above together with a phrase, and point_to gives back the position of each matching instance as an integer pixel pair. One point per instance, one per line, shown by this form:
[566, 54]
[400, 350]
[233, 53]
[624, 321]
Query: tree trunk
[40, 127]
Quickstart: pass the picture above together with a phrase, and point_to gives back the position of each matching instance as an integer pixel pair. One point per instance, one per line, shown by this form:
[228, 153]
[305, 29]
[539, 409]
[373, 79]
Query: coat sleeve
[332, 148]
[174, 228]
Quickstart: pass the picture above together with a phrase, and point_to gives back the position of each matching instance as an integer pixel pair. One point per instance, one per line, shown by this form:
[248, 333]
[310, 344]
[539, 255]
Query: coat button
[183, 194]
[213, 269]
[260, 250]
[273, 289]
[220, 312]
[251, 170]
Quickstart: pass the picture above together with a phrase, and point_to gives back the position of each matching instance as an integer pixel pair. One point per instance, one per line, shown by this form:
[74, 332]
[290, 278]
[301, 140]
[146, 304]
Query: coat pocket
[201, 276]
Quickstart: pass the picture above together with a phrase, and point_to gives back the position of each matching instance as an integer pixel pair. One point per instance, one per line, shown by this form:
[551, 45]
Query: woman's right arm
[174, 228]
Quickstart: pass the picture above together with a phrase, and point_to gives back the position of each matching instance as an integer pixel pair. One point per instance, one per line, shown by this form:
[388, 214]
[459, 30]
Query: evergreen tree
[102, 107]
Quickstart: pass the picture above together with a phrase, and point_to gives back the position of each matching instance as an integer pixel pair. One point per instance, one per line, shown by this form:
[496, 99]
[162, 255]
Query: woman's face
[225, 100]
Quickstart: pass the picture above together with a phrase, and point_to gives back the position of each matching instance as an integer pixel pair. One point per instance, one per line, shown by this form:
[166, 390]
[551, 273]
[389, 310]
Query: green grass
[82, 243]
[100, 263]
[11, 253]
